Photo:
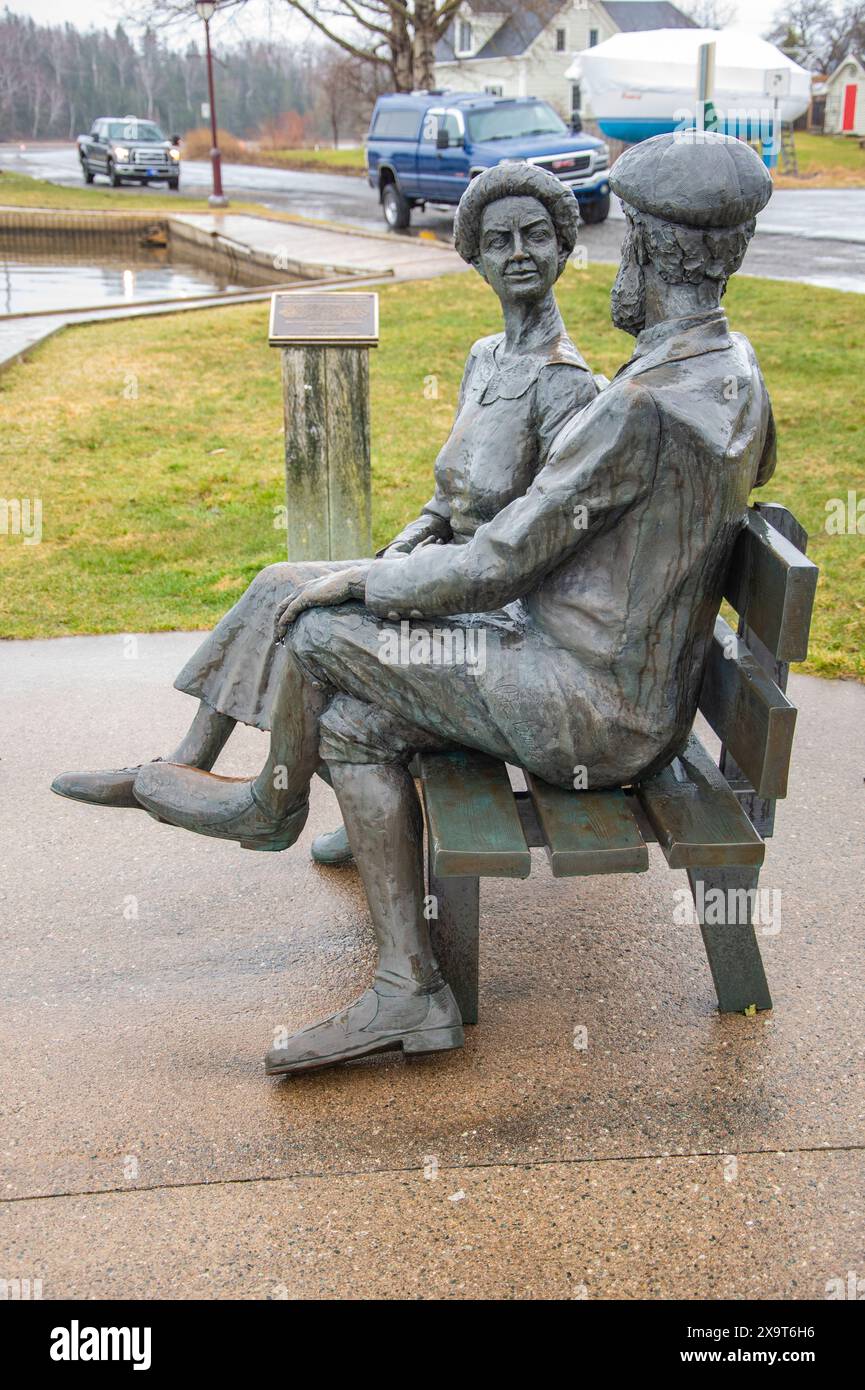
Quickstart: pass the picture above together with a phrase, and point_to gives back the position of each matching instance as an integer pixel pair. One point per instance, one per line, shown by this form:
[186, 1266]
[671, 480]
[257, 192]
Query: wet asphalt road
[812, 235]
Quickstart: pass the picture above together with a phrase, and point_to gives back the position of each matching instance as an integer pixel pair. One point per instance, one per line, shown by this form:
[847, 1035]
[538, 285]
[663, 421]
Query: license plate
[150, 173]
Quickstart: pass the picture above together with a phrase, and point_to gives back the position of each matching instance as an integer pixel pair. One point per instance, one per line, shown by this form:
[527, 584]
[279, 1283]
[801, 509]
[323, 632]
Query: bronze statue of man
[595, 591]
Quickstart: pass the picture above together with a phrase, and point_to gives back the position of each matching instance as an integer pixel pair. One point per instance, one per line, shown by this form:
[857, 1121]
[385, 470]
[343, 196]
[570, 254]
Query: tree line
[394, 40]
[56, 79]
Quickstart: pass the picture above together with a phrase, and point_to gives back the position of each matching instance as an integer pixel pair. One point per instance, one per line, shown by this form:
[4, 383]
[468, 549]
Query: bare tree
[398, 36]
[798, 28]
[844, 33]
[711, 14]
[818, 34]
[346, 92]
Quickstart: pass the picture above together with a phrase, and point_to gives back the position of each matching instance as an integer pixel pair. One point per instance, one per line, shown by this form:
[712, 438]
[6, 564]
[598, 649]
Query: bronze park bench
[711, 820]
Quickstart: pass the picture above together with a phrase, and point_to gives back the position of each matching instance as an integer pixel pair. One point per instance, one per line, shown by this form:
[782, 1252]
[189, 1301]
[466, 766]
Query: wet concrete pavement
[680, 1155]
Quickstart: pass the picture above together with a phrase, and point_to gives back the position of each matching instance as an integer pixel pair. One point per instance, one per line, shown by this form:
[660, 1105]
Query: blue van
[424, 147]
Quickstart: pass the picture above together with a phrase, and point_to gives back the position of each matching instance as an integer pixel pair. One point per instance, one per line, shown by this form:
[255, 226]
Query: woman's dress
[508, 414]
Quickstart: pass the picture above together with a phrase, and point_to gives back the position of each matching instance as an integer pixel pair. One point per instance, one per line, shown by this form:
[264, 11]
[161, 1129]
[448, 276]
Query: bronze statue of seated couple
[578, 533]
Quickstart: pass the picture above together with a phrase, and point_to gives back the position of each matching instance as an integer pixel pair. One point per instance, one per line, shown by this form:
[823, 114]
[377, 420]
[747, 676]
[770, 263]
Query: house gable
[499, 30]
[850, 69]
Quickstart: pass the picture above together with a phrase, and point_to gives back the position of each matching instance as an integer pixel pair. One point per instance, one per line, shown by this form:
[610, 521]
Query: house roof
[518, 31]
[851, 57]
[631, 16]
[521, 27]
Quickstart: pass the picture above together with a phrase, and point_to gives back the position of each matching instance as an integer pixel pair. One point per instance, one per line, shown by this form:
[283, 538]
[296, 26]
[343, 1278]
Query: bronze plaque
[325, 318]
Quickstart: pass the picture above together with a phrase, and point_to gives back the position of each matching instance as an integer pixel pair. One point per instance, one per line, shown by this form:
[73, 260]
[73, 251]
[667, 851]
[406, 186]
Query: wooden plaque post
[325, 340]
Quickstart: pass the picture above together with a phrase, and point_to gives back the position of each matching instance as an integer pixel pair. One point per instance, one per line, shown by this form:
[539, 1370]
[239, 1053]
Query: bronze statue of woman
[518, 388]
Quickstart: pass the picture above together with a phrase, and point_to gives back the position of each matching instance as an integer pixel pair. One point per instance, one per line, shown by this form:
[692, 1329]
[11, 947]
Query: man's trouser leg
[385, 830]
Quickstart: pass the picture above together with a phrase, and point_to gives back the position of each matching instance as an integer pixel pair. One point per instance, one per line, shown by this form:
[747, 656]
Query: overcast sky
[754, 15]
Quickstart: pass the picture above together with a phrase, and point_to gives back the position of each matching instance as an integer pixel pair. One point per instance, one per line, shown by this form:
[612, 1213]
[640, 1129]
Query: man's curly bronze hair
[515, 180]
[689, 255]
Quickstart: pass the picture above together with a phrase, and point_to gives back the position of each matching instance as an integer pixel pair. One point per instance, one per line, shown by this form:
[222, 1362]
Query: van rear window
[397, 123]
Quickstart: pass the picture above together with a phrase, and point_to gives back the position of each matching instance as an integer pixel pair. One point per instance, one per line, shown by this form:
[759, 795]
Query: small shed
[845, 97]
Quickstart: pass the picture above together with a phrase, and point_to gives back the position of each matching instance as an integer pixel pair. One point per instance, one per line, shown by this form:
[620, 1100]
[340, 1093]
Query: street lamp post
[217, 199]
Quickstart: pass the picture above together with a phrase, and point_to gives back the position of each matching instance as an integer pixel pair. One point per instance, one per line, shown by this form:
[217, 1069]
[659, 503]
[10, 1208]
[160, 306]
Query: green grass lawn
[824, 161]
[333, 161]
[159, 489]
[827, 161]
[21, 191]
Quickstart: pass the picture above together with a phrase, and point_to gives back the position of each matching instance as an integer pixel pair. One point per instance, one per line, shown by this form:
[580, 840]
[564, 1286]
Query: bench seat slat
[751, 716]
[587, 832]
[773, 585]
[473, 823]
[696, 817]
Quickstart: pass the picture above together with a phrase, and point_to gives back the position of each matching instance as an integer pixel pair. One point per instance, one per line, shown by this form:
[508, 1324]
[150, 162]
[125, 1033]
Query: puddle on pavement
[29, 283]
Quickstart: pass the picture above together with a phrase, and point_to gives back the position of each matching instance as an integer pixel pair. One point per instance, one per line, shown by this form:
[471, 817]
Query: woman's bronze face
[520, 255]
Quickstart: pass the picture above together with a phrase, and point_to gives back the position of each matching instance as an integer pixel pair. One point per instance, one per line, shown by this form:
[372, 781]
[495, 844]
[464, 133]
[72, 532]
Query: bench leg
[454, 934]
[728, 936]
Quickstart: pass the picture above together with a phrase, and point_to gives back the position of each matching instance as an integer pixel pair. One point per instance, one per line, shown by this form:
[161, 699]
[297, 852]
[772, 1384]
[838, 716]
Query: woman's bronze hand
[326, 592]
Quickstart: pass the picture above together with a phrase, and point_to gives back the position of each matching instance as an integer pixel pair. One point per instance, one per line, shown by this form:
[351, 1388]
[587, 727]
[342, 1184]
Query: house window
[576, 99]
[593, 38]
[561, 40]
[464, 37]
[495, 89]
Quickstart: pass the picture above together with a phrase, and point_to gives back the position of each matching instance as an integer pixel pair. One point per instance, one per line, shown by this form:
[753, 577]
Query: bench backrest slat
[751, 716]
[771, 584]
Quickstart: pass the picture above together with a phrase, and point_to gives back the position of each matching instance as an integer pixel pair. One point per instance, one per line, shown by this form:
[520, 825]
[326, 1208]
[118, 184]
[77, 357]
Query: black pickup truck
[125, 148]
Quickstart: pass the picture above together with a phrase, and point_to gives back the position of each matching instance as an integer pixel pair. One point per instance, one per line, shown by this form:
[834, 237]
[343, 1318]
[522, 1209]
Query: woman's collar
[509, 380]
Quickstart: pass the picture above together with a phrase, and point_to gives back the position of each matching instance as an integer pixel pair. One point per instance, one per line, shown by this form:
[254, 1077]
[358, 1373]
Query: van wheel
[396, 207]
[598, 210]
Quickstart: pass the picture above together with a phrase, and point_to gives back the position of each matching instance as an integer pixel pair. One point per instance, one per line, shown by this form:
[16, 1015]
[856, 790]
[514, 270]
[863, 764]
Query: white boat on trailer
[642, 84]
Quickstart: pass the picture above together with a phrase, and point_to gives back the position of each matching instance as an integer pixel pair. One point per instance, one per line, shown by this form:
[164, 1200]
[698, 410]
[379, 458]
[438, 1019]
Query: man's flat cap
[695, 178]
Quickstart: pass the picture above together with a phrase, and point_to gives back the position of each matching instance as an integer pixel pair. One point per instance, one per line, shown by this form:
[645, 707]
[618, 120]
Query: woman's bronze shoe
[112, 788]
[332, 848]
[223, 807]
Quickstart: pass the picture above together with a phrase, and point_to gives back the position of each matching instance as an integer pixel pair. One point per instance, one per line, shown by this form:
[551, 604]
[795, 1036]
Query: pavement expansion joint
[325, 1175]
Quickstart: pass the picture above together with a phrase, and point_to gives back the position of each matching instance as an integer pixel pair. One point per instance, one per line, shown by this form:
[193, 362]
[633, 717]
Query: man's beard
[628, 295]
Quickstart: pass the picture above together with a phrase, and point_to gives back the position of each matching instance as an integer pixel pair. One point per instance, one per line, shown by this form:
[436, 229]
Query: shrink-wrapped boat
[642, 84]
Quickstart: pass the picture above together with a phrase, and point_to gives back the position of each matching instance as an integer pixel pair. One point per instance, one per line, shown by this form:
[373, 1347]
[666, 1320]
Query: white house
[845, 97]
[509, 49]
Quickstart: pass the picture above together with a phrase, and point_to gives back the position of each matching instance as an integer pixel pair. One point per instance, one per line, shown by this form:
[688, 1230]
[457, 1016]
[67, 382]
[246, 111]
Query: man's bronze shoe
[332, 849]
[101, 788]
[376, 1022]
[223, 807]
